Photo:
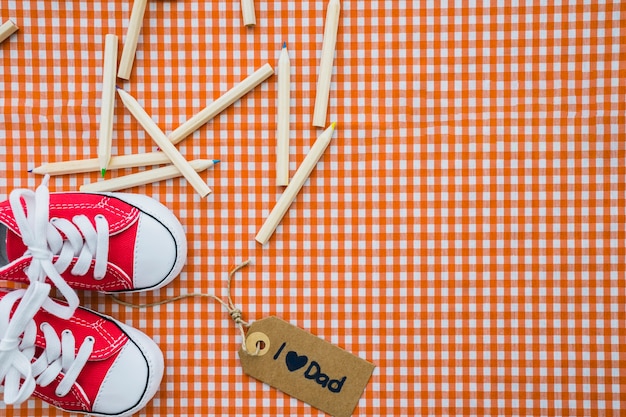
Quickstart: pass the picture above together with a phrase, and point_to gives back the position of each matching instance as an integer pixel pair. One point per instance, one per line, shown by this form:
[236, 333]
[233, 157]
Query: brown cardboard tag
[304, 366]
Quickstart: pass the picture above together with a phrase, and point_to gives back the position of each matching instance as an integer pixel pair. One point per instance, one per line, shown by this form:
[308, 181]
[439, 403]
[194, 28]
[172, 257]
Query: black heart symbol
[295, 361]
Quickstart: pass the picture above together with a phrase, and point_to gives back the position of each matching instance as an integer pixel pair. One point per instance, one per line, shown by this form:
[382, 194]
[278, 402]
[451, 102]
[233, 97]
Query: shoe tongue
[14, 246]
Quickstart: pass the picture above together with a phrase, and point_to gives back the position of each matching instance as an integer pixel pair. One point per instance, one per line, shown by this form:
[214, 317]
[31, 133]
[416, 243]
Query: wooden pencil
[296, 183]
[108, 102]
[92, 164]
[132, 36]
[163, 142]
[282, 140]
[216, 107]
[326, 63]
[7, 29]
[146, 177]
[247, 12]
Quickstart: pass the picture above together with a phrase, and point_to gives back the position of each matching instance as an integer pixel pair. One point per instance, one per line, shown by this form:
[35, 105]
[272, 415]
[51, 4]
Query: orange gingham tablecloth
[465, 230]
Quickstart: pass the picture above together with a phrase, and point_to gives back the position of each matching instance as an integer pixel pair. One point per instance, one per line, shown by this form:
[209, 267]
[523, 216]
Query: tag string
[229, 305]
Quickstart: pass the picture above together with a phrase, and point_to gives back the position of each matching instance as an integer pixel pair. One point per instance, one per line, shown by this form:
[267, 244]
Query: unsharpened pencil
[247, 12]
[132, 36]
[282, 135]
[108, 102]
[216, 107]
[146, 177]
[163, 142]
[296, 183]
[92, 164]
[7, 29]
[326, 63]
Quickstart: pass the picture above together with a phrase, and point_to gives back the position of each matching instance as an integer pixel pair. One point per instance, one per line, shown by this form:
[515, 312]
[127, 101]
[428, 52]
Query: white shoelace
[17, 369]
[43, 239]
[83, 241]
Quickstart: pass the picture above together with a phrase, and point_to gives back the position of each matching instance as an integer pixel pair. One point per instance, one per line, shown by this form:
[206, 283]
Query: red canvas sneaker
[92, 241]
[87, 363]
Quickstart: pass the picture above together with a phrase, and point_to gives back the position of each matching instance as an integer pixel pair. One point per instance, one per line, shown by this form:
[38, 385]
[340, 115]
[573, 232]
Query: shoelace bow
[18, 332]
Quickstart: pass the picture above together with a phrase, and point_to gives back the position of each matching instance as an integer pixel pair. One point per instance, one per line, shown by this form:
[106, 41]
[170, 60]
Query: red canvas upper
[109, 340]
[123, 222]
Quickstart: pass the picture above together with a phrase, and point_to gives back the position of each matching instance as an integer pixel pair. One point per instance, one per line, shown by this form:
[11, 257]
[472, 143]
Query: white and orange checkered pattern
[465, 230]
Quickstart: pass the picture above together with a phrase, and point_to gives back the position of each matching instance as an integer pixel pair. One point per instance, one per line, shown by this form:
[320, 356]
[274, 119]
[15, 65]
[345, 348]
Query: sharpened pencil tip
[284, 44]
[333, 125]
[30, 170]
[103, 171]
[117, 87]
[216, 161]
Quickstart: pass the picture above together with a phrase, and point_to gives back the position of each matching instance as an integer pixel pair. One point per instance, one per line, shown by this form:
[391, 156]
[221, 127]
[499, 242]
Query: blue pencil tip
[284, 44]
[117, 87]
[216, 161]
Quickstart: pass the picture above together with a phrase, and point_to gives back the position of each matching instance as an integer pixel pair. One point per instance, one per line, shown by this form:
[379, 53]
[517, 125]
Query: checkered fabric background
[465, 230]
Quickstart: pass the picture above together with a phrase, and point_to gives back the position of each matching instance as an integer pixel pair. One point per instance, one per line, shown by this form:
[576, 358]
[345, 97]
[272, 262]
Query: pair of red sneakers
[71, 357]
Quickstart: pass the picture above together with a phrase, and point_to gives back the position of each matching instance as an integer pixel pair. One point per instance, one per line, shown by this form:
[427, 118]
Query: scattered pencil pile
[168, 154]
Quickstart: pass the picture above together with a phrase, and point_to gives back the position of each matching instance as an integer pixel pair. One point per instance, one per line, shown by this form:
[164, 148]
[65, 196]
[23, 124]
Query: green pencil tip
[104, 170]
[216, 161]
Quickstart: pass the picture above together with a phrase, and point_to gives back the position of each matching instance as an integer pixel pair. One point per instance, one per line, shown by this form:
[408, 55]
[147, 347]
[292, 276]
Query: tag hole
[257, 342]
